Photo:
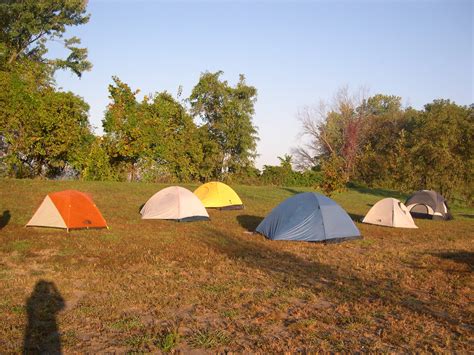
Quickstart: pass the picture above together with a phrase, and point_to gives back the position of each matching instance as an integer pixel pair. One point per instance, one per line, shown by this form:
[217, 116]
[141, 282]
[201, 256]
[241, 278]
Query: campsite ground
[160, 285]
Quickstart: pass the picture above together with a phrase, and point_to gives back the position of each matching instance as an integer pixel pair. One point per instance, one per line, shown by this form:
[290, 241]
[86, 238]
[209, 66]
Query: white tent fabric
[176, 203]
[47, 215]
[391, 213]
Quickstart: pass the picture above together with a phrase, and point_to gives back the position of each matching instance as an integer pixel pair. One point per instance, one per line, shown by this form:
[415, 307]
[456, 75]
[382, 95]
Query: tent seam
[322, 217]
[179, 203]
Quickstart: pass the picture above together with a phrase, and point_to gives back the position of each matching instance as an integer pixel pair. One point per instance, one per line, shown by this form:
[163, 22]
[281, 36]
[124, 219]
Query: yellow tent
[218, 195]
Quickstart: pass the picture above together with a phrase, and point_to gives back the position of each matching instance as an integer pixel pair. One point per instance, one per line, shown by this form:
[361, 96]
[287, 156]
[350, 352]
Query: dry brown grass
[164, 286]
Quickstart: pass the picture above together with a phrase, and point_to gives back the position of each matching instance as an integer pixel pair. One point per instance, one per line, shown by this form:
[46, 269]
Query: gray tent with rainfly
[310, 217]
[428, 204]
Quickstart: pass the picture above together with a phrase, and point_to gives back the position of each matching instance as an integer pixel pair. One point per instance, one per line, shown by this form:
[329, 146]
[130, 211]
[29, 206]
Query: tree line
[45, 132]
[378, 142]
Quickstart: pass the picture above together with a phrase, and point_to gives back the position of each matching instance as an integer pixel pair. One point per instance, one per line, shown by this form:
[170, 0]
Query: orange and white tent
[69, 209]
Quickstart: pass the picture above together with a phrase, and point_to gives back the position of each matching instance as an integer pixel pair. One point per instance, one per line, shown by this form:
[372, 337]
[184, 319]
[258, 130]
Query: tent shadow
[356, 217]
[293, 191]
[258, 254]
[5, 218]
[42, 334]
[381, 193]
[416, 215]
[458, 256]
[249, 222]
[287, 268]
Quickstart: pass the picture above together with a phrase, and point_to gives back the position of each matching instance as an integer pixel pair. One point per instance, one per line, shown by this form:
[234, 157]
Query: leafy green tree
[153, 140]
[281, 175]
[334, 177]
[227, 115]
[381, 144]
[27, 25]
[172, 137]
[97, 163]
[285, 163]
[382, 140]
[443, 148]
[122, 125]
[211, 155]
[284, 175]
[42, 129]
[381, 104]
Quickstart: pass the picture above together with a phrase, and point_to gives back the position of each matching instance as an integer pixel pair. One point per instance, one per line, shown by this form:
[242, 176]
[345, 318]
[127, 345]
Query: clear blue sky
[295, 53]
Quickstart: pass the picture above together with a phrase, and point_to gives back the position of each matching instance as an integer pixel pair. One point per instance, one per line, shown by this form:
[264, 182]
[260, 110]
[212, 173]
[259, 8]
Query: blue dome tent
[310, 217]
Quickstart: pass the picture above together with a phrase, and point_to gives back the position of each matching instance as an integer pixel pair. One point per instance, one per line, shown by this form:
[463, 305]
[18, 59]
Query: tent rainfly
[308, 217]
[391, 213]
[69, 209]
[219, 195]
[176, 203]
[428, 204]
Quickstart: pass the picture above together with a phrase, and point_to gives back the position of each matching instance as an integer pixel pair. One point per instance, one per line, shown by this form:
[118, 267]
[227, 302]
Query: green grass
[126, 324]
[20, 246]
[208, 339]
[150, 286]
[167, 340]
[17, 309]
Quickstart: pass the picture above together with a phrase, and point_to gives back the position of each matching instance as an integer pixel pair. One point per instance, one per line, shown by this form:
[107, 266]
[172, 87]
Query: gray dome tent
[310, 217]
[428, 204]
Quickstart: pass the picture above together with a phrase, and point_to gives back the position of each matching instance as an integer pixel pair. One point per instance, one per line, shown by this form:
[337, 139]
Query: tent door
[422, 209]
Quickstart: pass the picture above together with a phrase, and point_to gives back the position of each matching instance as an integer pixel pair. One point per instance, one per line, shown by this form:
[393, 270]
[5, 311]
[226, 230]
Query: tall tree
[123, 128]
[154, 139]
[332, 130]
[96, 165]
[27, 25]
[443, 147]
[377, 142]
[42, 129]
[279, 175]
[172, 137]
[384, 142]
[227, 114]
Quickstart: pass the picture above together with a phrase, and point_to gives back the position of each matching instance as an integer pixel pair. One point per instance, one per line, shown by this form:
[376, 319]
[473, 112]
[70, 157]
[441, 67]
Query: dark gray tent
[308, 217]
[428, 204]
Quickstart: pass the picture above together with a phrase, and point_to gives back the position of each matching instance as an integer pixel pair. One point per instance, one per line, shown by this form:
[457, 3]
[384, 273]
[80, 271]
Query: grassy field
[149, 286]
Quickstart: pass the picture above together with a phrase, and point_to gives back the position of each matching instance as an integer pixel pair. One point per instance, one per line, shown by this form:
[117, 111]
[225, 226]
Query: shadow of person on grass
[249, 222]
[5, 218]
[42, 332]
